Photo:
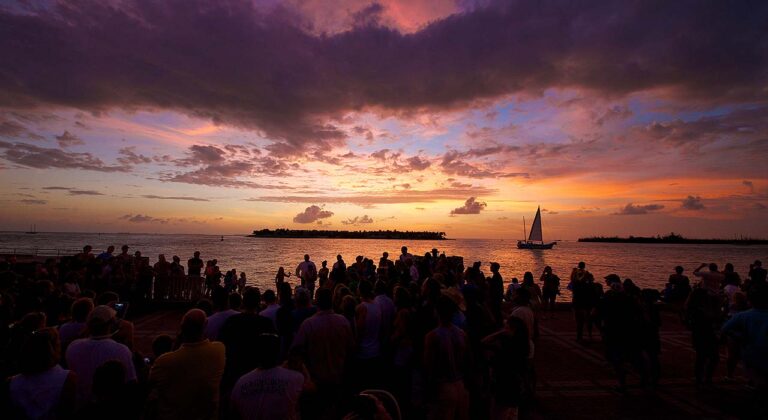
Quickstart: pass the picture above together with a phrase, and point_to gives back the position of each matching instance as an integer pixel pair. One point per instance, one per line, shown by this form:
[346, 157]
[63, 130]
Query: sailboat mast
[524, 230]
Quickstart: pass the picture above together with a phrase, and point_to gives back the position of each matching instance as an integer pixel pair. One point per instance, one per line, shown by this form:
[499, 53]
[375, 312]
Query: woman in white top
[43, 390]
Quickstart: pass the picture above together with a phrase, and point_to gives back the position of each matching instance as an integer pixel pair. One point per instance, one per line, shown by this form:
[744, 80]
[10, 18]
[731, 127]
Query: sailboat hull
[531, 245]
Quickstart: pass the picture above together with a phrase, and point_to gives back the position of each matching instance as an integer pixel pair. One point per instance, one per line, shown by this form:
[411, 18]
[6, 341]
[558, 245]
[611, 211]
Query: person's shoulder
[289, 374]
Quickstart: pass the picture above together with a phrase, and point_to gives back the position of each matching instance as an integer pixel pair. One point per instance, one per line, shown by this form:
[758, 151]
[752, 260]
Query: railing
[39, 252]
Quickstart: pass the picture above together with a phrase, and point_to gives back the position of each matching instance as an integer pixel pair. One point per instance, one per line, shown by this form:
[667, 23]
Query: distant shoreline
[346, 234]
[673, 239]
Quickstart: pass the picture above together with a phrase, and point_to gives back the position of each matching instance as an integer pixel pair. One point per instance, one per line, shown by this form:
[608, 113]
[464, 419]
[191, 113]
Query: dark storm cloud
[637, 209]
[237, 65]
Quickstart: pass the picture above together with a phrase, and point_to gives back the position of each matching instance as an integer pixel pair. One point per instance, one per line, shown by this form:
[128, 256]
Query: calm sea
[648, 265]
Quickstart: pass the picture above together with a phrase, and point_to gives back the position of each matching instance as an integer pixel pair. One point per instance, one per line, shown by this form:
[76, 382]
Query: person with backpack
[307, 272]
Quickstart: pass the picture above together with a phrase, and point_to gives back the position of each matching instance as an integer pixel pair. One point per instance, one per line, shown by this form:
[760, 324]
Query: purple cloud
[43, 158]
[312, 214]
[471, 206]
[68, 139]
[634, 210]
[358, 220]
[693, 203]
[142, 218]
[489, 50]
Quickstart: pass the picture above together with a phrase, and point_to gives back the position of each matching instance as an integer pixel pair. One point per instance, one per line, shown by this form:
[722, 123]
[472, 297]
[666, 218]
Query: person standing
[711, 280]
[368, 325]
[446, 363]
[323, 275]
[307, 272]
[550, 289]
[269, 391]
[582, 299]
[184, 384]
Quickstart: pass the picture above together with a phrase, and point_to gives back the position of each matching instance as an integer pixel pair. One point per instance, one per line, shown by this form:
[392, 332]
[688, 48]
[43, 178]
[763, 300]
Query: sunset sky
[617, 118]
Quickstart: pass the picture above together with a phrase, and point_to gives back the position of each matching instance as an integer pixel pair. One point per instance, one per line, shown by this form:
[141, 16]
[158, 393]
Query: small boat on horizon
[535, 238]
[32, 230]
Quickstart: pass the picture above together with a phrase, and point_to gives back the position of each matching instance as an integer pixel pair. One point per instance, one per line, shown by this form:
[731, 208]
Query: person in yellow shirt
[184, 384]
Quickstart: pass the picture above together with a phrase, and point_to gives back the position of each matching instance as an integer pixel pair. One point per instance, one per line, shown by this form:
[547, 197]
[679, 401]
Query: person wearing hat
[85, 355]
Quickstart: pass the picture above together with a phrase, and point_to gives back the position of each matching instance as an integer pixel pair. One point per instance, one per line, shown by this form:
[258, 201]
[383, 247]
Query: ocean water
[649, 265]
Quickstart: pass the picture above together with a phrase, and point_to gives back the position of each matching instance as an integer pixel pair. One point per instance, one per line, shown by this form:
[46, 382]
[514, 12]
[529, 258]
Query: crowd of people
[432, 338]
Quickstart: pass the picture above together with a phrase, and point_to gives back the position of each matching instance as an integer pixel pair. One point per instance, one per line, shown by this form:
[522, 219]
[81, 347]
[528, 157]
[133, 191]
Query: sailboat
[535, 238]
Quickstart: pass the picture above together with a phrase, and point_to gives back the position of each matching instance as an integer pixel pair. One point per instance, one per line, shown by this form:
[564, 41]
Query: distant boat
[32, 230]
[535, 238]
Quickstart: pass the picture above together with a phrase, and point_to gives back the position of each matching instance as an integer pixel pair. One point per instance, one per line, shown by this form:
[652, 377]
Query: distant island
[673, 238]
[346, 234]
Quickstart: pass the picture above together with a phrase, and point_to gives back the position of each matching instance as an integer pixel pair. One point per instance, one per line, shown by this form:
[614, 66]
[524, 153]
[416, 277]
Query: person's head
[269, 351]
[161, 258]
[81, 308]
[306, 257]
[522, 297]
[712, 267]
[338, 258]
[235, 301]
[302, 298]
[111, 249]
[280, 271]
[193, 325]
[402, 297]
[758, 295]
[515, 280]
[284, 293]
[380, 288]
[162, 344]
[528, 278]
[385, 255]
[547, 270]
[612, 279]
[220, 298]
[270, 297]
[679, 270]
[757, 263]
[404, 250]
[176, 259]
[251, 298]
[476, 265]
[495, 267]
[205, 305]
[366, 289]
[348, 305]
[359, 259]
[137, 254]
[40, 351]
[446, 309]
[582, 265]
[728, 268]
[324, 263]
[87, 249]
[100, 320]
[324, 298]
[197, 254]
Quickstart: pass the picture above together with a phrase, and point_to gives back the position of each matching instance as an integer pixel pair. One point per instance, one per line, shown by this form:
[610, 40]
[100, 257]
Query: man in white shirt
[220, 299]
[269, 391]
[405, 256]
[85, 355]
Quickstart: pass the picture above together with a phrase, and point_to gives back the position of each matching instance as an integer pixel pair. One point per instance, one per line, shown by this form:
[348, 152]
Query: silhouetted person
[703, 317]
[550, 288]
[307, 272]
[583, 299]
[184, 384]
[508, 360]
[711, 280]
[270, 391]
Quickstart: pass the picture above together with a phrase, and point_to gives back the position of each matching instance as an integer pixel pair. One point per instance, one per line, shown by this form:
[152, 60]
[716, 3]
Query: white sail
[536, 234]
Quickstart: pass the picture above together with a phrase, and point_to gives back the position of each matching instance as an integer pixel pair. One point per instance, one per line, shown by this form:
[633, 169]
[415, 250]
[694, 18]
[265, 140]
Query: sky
[189, 116]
